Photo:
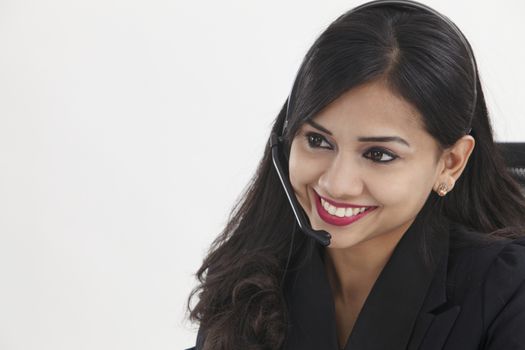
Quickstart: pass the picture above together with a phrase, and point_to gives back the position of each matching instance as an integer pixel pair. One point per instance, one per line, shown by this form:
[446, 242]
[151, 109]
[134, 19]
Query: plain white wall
[127, 131]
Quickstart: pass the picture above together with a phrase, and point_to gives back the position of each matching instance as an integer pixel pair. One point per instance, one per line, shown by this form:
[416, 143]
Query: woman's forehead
[371, 103]
[369, 109]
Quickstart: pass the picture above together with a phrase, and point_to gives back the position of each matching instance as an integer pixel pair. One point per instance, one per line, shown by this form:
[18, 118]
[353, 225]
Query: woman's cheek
[391, 187]
[299, 177]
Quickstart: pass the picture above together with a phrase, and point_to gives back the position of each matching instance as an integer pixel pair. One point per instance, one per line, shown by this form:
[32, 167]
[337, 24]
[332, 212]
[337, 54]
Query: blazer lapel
[435, 330]
[310, 307]
[403, 303]
[436, 317]
[390, 313]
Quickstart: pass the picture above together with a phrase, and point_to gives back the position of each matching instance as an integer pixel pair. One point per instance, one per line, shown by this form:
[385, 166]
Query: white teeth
[341, 212]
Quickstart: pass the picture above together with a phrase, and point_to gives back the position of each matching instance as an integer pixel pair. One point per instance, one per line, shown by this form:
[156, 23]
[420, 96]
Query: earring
[442, 189]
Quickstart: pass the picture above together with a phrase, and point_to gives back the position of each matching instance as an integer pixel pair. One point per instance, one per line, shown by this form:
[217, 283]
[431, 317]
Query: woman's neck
[353, 271]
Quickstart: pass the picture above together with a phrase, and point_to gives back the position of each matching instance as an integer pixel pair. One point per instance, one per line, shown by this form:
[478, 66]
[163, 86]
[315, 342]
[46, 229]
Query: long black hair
[422, 60]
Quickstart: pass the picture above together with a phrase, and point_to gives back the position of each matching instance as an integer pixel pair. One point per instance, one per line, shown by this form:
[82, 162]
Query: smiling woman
[383, 154]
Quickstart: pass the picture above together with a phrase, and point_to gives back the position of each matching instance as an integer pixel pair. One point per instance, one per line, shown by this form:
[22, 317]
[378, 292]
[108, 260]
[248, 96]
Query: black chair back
[514, 154]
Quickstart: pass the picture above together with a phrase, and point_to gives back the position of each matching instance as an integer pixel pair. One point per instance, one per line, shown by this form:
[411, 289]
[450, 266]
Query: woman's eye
[315, 140]
[378, 155]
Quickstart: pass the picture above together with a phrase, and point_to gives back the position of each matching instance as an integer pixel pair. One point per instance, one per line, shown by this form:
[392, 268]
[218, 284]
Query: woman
[415, 229]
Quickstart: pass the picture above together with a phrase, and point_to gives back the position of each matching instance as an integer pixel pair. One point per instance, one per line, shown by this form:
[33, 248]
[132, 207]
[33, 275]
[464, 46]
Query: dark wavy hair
[422, 59]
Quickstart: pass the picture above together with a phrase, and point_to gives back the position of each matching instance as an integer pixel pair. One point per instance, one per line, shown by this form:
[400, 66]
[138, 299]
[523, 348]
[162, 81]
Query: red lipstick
[335, 220]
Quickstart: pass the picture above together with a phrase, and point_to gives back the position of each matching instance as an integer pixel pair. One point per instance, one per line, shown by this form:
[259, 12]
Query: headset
[276, 141]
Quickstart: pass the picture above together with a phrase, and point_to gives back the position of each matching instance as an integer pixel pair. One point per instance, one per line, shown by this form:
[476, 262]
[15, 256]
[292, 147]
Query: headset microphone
[321, 236]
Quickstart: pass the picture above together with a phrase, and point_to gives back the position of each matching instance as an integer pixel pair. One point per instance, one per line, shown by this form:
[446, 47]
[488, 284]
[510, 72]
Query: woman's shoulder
[480, 253]
[486, 277]
[471, 249]
[489, 268]
[503, 297]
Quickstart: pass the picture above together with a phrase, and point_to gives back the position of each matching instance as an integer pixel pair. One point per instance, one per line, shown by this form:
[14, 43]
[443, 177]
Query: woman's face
[338, 159]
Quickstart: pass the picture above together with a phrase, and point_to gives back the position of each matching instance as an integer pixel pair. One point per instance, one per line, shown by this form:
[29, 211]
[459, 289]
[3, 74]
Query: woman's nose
[343, 179]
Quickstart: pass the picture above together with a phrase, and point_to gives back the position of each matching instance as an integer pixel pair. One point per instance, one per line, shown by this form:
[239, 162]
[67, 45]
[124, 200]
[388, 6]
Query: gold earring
[442, 189]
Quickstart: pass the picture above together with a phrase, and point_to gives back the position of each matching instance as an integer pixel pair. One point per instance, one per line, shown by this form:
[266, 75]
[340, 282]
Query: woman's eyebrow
[319, 127]
[384, 139]
[363, 138]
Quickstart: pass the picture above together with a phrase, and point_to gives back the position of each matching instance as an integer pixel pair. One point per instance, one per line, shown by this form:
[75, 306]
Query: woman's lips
[335, 220]
[342, 205]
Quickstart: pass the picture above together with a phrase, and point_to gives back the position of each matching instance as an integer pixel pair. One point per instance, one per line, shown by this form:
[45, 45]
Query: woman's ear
[454, 160]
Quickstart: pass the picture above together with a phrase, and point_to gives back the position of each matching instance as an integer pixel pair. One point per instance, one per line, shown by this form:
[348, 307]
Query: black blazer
[471, 297]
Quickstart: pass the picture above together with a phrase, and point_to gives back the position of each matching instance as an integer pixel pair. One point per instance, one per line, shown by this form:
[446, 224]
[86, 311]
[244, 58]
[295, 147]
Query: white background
[127, 130]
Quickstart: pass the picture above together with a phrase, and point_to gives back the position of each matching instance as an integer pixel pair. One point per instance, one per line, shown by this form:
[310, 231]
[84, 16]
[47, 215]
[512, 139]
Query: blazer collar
[405, 288]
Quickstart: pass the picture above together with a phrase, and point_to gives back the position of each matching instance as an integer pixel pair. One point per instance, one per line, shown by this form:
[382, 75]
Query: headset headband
[408, 4]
